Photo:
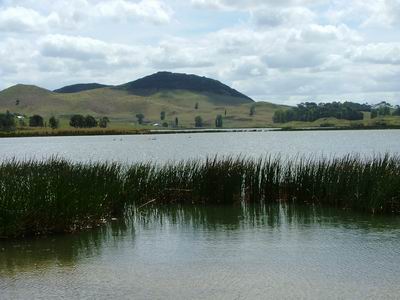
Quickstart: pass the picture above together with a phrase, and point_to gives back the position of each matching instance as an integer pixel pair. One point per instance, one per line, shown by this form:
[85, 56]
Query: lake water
[172, 147]
[212, 253]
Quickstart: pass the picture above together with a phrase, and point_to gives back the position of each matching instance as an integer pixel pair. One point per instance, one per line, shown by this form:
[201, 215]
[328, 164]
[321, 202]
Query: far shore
[45, 132]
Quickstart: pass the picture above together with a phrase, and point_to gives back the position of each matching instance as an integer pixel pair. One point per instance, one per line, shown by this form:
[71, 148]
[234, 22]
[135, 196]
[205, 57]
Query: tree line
[310, 111]
[8, 121]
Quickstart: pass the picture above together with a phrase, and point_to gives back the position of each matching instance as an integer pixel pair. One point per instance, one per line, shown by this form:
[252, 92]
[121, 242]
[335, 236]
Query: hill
[75, 88]
[122, 103]
[164, 81]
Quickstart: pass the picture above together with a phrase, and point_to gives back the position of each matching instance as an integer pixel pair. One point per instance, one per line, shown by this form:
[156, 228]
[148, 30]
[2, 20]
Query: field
[121, 107]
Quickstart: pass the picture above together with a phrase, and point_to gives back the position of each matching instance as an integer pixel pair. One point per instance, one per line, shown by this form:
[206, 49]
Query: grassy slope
[121, 106]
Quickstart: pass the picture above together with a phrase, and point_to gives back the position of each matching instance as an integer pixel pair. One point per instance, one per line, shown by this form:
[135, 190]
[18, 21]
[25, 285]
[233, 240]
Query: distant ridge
[163, 81]
[76, 88]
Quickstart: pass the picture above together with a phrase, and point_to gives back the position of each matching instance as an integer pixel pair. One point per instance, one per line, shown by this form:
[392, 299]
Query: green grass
[121, 106]
[59, 196]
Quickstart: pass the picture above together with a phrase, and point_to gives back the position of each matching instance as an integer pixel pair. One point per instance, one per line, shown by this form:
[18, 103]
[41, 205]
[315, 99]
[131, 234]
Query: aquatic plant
[58, 195]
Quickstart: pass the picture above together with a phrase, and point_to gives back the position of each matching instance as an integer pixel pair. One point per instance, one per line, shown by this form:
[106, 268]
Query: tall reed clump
[58, 196]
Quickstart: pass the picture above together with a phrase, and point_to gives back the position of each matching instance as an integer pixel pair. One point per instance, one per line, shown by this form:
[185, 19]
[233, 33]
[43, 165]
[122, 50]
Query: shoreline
[58, 133]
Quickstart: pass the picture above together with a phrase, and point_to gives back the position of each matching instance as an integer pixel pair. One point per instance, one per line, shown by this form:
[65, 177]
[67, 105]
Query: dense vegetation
[7, 121]
[311, 111]
[176, 81]
[59, 196]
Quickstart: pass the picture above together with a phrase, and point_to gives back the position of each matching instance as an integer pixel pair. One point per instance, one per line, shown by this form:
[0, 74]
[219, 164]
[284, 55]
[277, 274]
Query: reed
[53, 196]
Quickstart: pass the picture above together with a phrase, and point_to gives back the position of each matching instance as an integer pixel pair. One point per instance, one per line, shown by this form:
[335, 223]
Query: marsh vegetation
[40, 197]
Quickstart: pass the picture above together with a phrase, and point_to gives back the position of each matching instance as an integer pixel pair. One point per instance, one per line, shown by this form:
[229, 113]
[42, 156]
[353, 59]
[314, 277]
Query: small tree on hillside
[162, 115]
[103, 122]
[218, 121]
[196, 106]
[90, 122]
[198, 121]
[252, 110]
[77, 121]
[36, 121]
[53, 122]
[140, 118]
[176, 122]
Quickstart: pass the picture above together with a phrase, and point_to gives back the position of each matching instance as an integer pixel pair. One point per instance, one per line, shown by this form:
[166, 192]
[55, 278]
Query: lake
[210, 252]
[173, 147]
[213, 253]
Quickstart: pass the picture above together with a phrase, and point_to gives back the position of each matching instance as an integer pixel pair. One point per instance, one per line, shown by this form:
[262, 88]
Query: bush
[36, 121]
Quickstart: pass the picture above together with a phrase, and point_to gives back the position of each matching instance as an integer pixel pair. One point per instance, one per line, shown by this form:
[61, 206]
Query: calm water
[213, 253]
[162, 148]
[210, 252]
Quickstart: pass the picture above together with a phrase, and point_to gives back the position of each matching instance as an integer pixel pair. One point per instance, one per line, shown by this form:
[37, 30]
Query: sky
[282, 51]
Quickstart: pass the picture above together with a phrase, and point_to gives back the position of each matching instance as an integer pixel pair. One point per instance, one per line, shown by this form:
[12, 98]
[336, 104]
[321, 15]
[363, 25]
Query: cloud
[20, 19]
[380, 53]
[148, 10]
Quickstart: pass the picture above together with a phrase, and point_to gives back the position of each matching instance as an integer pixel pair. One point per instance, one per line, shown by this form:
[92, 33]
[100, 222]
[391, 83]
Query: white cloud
[381, 53]
[20, 19]
[148, 10]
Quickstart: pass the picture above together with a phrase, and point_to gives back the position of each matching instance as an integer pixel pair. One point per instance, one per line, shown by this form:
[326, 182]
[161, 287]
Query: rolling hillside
[122, 103]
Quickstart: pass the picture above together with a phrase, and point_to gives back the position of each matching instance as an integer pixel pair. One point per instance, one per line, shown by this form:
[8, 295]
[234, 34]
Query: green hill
[75, 88]
[122, 103]
[165, 81]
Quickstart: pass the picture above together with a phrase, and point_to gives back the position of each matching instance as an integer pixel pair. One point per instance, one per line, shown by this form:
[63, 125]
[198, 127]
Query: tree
[77, 121]
[36, 121]
[198, 122]
[218, 121]
[176, 122]
[90, 122]
[162, 115]
[196, 106]
[396, 112]
[17, 102]
[225, 112]
[252, 110]
[165, 124]
[103, 122]
[53, 122]
[374, 114]
[7, 121]
[140, 118]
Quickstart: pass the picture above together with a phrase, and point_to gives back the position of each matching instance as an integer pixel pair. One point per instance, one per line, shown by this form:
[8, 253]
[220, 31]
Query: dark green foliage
[56, 196]
[396, 112]
[176, 81]
[374, 113]
[59, 196]
[198, 121]
[79, 121]
[196, 106]
[176, 122]
[310, 111]
[17, 102]
[36, 121]
[162, 115]
[7, 121]
[80, 87]
[165, 124]
[218, 121]
[53, 122]
[103, 122]
[140, 118]
[90, 121]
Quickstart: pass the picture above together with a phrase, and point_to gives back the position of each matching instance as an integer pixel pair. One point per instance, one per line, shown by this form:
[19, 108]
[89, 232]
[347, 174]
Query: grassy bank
[59, 196]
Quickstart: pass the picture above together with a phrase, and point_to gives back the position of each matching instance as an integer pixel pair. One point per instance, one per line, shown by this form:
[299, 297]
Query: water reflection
[68, 251]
